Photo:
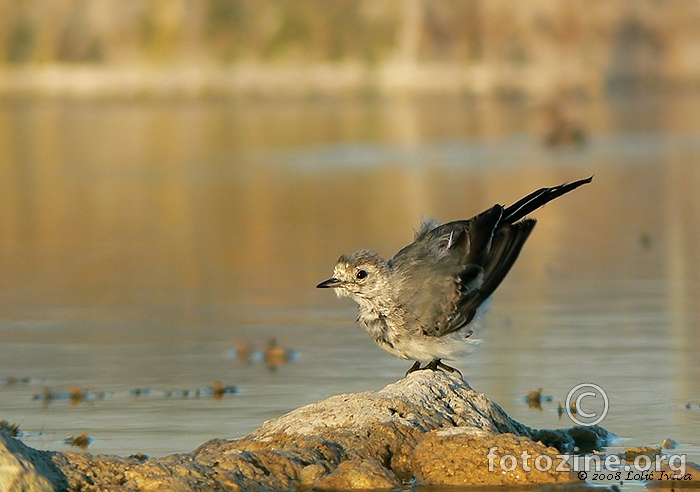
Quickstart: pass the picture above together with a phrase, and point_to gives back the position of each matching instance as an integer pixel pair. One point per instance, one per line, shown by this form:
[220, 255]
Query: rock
[459, 456]
[23, 469]
[430, 427]
[358, 475]
[311, 473]
[685, 475]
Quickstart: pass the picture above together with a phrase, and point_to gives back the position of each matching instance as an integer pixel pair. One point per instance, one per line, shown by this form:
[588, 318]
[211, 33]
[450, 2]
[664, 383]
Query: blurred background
[176, 177]
[157, 48]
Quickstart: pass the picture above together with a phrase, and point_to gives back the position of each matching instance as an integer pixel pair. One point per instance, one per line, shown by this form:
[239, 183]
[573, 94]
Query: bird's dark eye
[361, 274]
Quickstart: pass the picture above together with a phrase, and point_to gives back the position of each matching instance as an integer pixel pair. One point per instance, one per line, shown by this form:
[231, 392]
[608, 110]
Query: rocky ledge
[430, 428]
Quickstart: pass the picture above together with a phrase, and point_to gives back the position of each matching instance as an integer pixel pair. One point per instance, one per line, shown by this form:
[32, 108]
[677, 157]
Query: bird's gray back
[432, 274]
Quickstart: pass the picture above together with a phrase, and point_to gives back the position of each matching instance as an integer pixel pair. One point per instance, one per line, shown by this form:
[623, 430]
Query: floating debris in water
[140, 391]
[690, 406]
[12, 429]
[242, 352]
[561, 410]
[535, 398]
[81, 441]
[14, 381]
[180, 394]
[15, 431]
[630, 454]
[276, 356]
[46, 396]
[273, 355]
[76, 395]
[219, 389]
[669, 444]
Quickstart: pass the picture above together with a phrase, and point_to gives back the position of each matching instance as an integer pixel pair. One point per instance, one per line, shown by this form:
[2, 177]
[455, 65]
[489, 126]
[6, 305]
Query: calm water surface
[140, 243]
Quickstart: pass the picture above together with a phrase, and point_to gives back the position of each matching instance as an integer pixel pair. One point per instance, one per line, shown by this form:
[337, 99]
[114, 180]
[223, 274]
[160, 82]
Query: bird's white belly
[452, 346]
[426, 349]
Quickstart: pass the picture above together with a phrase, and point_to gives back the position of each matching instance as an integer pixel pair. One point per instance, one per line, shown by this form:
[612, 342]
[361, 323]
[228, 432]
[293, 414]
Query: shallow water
[141, 242]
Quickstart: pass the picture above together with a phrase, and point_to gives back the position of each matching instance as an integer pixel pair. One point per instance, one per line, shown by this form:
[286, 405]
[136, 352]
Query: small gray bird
[425, 302]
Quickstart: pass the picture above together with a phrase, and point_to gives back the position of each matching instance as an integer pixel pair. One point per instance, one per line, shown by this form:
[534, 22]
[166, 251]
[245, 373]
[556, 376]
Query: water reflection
[139, 243]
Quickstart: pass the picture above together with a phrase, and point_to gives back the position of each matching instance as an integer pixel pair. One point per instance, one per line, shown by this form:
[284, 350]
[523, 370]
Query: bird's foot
[414, 367]
[434, 365]
[438, 365]
[451, 369]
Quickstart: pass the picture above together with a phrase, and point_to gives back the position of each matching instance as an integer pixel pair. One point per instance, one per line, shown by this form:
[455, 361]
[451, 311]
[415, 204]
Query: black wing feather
[448, 272]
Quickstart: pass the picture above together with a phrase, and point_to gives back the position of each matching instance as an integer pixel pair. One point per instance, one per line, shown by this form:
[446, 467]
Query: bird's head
[361, 276]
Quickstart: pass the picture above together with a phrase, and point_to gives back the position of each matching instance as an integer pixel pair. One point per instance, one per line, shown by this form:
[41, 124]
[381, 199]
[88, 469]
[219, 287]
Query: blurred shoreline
[253, 80]
[281, 80]
[199, 48]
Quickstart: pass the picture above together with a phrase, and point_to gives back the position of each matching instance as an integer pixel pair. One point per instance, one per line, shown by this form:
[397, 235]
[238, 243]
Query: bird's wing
[447, 273]
[506, 244]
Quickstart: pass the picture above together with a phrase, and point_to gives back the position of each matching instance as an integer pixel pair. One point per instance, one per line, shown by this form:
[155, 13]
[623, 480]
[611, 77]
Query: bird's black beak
[331, 282]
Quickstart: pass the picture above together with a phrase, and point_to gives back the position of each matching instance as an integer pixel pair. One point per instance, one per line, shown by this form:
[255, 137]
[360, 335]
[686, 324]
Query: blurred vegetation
[220, 30]
[12, 429]
[589, 43]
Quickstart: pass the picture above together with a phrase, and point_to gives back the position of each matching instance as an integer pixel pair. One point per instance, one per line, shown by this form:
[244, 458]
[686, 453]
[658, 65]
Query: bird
[425, 302]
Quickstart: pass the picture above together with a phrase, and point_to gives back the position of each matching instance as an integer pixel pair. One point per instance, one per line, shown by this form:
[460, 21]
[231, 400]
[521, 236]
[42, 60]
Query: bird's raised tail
[497, 255]
[536, 199]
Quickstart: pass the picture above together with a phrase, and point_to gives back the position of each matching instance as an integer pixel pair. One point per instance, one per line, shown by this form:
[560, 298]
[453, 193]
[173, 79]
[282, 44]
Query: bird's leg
[433, 365]
[414, 367]
[448, 368]
[437, 365]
